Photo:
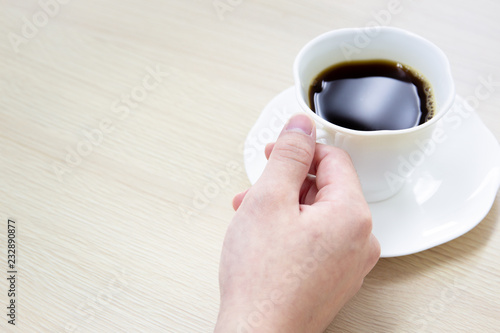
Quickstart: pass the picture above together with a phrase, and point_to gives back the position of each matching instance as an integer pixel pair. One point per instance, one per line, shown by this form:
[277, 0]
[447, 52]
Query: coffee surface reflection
[372, 95]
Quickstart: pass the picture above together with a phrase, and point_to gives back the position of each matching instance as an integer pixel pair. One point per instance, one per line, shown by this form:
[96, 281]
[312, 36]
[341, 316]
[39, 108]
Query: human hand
[298, 246]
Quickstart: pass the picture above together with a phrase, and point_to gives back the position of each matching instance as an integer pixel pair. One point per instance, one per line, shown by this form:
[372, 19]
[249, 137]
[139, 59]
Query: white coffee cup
[380, 157]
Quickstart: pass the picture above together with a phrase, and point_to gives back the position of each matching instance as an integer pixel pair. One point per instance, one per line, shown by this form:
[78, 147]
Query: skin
[300, 243]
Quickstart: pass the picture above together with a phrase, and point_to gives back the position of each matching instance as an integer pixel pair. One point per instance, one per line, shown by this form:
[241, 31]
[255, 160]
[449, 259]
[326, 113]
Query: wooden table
[121, 132]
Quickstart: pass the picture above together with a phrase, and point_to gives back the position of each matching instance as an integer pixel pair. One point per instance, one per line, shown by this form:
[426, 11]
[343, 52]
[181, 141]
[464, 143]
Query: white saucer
[445, 197]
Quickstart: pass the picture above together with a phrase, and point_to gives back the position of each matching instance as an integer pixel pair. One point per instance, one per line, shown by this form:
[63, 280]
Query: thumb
[291, 156]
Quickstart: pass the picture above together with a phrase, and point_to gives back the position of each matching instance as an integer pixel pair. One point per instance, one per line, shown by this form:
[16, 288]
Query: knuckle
[364, 222]
[296, 152]
[342, 156]
[375, 250]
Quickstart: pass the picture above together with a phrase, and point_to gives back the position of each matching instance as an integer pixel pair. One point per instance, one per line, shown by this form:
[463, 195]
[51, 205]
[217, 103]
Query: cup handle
[327, 137]
[322, 135]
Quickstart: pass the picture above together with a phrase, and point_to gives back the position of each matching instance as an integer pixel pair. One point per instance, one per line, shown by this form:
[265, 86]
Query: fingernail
[300, 123]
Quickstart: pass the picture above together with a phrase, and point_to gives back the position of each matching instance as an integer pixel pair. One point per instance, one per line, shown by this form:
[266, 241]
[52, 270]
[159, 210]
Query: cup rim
[445, 107]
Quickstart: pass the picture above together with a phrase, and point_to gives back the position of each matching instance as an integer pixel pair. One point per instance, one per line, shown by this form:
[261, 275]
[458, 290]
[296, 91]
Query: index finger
[335, 174]
[334, 171]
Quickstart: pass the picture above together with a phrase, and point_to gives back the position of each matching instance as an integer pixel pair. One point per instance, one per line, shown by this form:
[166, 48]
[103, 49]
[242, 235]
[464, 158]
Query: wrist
[249, 318]
[265, 316]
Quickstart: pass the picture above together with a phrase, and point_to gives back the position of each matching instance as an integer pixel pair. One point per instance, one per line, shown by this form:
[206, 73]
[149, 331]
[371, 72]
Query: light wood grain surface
[121, 132]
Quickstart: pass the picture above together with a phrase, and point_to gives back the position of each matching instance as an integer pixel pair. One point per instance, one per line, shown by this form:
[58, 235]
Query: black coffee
[372, 95]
